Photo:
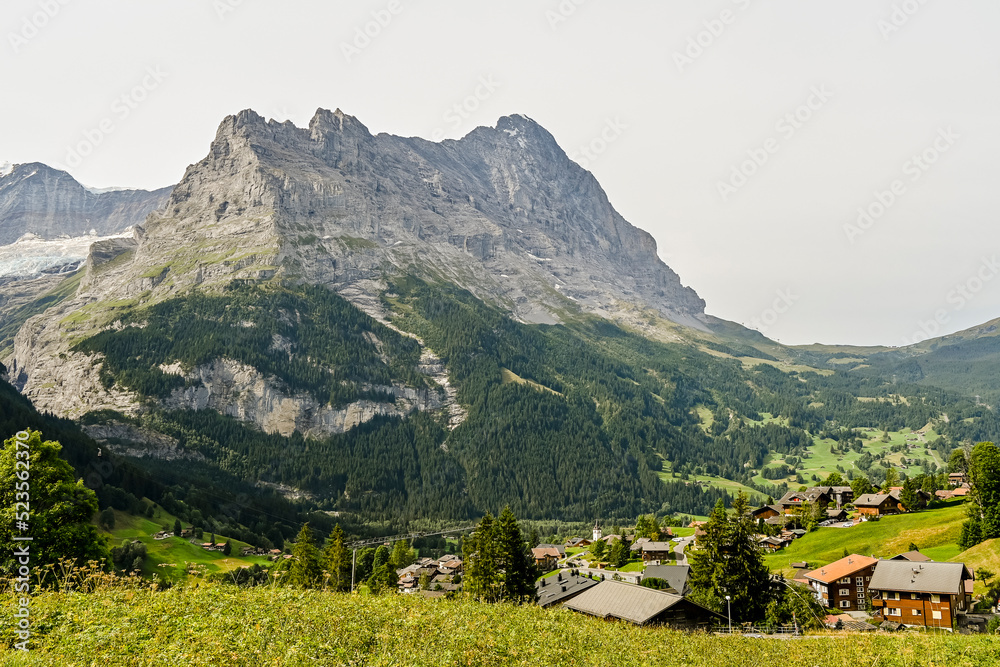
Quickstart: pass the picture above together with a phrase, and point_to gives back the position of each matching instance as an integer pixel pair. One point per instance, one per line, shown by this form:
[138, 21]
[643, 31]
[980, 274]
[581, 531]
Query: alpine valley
[393, 329]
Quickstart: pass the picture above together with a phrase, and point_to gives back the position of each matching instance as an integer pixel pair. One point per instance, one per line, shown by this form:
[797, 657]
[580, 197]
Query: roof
[872, 499]
[912, 556]
[930, 577]
[550, 591]
[675, 575]
[809, 495]
[628, 602]
[657, 546]
[637, 545]
[844, 567]
[835, 512]
[774, 508]
[545, 552]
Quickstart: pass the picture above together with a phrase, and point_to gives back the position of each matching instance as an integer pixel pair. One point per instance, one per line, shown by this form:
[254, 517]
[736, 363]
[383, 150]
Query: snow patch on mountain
[31, 255]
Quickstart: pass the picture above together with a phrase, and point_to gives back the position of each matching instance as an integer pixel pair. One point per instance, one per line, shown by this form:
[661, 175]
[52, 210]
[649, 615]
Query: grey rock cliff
[49, 203]
[502, 212]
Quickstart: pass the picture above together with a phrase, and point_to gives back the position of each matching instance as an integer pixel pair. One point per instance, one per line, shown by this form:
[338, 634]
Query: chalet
[957, 478]
[817, 495]
[944, 495]
[676, 576]
[577, 542]
[961, 491]
[545, 557]
[657, 551]
[643, 606]
[773, 543]
[876, 504]
[842, 495]
[922, 497]
[843, 584]
[836, 515]
[637, 545]
[551, 591]
[767, 512]
[926, 594]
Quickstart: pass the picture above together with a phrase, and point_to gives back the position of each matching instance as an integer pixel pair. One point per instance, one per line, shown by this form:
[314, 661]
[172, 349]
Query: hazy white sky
[820, 107]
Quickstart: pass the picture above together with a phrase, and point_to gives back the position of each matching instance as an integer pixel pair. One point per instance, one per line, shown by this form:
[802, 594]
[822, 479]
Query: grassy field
[174, 552]
[222, 625]
[936, 532]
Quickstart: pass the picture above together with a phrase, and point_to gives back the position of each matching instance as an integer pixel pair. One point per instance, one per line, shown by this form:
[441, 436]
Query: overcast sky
[745, 135]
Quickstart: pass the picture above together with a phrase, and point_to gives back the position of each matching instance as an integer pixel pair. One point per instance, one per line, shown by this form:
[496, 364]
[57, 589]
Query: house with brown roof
[877, 504]
[843, 584]
[545, 557]
[817, 495]
[912, 556]
[925, 594]
[767, 512]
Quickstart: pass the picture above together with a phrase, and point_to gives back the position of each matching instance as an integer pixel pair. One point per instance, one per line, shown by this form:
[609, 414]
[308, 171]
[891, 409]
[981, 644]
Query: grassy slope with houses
[215, 625]
[935, 532]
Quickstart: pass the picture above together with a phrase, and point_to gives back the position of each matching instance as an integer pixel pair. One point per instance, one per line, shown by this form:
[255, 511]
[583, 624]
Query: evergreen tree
[305, 571]
[861, 486]
[597, 550]
[383, 578]
[731, 562]
[983, 503]
[891, 479]
[499, 568]
[227, 548]
[336, 561]
[402, 555]
[908, 497]
[177, 527]
[61, 508]
[619, 553]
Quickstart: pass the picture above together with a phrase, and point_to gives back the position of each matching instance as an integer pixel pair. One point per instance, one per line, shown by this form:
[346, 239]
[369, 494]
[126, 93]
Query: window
[861, 596]
[914, 596]
[893, 596]
[935, 597]
[861, 589]
[845, 580]
[859, 580]
[936, 615]
[845, 591]
[894, 612]
[845, 604]
[916, 612]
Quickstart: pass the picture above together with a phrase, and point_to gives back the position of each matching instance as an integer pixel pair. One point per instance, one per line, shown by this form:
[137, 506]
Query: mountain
[49, 203]
[400, 329]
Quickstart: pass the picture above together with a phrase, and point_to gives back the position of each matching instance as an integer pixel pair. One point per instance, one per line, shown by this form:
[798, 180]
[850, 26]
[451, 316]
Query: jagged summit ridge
[502, 211]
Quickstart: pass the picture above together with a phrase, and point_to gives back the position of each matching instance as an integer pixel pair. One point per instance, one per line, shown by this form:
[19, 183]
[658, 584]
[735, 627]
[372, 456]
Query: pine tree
[402, 555]
[336, 561]
[227, 548]
[481, 575]
[383, 578]
[177, 527]
[305, 571]
[517, 571]
[891, 479]
[909, 498]
[731, 562]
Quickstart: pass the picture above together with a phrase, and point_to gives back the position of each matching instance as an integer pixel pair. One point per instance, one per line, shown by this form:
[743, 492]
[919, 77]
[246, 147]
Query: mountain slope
[49, 203]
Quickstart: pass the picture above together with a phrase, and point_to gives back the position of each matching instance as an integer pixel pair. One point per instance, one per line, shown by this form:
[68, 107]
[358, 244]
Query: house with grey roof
[923, 594]
[643, 606]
